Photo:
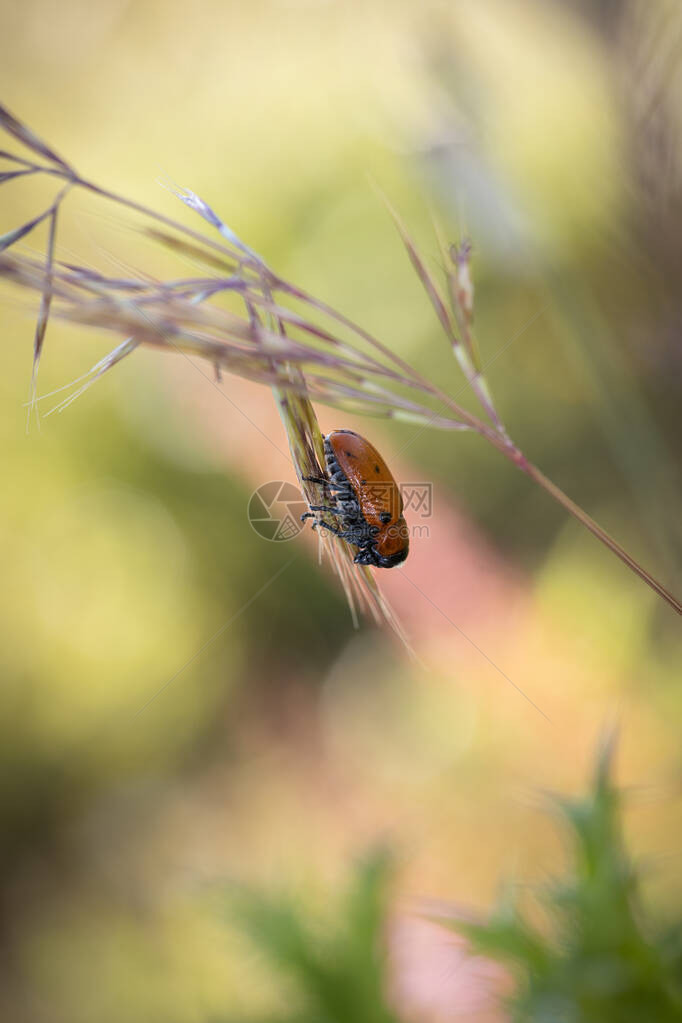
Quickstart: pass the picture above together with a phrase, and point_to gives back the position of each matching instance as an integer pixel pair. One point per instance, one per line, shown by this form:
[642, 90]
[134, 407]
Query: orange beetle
[367, 505]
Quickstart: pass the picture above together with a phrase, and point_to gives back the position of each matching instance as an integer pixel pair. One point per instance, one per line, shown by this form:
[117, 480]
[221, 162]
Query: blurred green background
[283, 742]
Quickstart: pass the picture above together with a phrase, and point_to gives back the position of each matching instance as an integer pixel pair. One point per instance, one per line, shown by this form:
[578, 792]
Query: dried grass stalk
[315, 354]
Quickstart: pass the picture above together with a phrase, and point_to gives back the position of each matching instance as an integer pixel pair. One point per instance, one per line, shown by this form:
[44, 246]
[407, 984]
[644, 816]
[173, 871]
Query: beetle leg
[324, 482]
[316, 508]
[332, 529]
[319, 522]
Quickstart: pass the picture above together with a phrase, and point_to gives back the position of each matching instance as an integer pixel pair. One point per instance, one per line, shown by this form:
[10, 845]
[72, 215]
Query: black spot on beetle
[377, 469]
[385, 518]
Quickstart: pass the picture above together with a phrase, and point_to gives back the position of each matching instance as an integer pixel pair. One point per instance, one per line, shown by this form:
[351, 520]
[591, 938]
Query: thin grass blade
[10, 175]
[98, 370]
[197, 204]
[28, 138]
[423, 274]
[45, 302]
[15, 235]
[13, 158]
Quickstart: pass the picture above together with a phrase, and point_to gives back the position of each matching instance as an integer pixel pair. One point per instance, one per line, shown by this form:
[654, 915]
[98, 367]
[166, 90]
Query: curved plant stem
[577, 512]
[460, 290]
[589, 523]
